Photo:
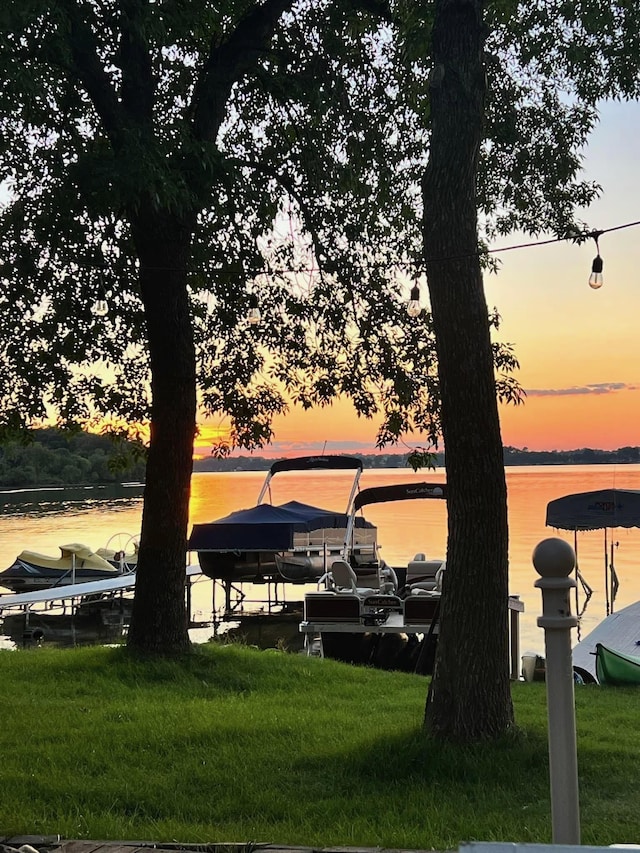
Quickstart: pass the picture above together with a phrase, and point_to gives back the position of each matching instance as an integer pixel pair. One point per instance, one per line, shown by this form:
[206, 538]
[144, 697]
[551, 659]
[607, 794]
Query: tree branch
[88, 69]
[228, 62]
[138, 84]
[377, 8]
[288, 185]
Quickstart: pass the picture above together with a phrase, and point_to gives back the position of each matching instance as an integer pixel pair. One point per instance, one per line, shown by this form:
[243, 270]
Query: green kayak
[616, 668]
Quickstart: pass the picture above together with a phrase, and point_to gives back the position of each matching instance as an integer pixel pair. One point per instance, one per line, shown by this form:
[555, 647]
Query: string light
[595, 279]
[100, 307]
[251, 273]
[413, 306]
[253, 314]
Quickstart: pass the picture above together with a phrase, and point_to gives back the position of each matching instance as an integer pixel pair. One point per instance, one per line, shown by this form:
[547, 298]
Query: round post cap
[554, 558]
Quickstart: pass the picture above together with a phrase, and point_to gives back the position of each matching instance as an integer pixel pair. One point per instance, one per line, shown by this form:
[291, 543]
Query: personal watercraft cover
[265, 527]
[595, 510]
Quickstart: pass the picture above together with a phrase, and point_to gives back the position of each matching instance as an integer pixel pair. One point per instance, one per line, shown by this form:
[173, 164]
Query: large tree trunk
[469, 697]
[160, 620]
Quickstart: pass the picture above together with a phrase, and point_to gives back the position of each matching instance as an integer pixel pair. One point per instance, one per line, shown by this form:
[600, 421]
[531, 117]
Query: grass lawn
[236, 745]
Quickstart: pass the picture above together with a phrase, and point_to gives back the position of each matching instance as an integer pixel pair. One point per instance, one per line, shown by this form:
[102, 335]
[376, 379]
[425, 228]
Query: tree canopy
[298, 155]
[51, 457]
[301, 168]
[306, 193]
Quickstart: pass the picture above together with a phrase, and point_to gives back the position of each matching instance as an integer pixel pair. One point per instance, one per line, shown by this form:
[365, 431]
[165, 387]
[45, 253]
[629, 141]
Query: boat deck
[395, 623]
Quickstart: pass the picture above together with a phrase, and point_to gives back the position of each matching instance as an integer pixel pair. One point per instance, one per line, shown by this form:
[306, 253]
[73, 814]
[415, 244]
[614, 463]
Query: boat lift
[606, 510]
[277, 546]
[69, 599]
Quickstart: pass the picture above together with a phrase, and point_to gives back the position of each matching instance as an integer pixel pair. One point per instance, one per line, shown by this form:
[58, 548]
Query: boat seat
[424, 574]
[421, 607]
[416, 589]
[345, 579]
[433, 587]
[367, 576]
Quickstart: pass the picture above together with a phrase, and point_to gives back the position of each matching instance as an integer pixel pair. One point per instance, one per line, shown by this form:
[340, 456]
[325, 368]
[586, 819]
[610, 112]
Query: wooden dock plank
[56, 844]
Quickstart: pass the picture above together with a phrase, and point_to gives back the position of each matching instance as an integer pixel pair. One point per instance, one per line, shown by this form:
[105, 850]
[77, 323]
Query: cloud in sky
[582, 390]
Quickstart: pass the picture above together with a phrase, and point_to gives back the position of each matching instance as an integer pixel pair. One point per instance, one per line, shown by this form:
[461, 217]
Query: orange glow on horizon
[207, 436]
[603, 421]
[553, 421]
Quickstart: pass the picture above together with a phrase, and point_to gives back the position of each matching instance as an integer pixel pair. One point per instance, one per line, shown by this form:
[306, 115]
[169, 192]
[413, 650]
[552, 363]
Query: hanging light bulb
[595, 279]
[413, 306]
[100, 308]
[253, 314]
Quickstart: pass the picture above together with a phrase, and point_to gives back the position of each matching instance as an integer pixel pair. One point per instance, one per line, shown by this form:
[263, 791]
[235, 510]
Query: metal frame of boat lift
[602, 509]
[235, 599]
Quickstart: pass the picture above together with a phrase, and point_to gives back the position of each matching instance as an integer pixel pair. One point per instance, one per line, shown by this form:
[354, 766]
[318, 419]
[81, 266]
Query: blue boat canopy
[265, 527]
[606, 508]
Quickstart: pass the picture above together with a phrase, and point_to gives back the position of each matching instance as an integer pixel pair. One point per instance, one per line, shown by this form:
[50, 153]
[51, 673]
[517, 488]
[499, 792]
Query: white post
[554, 560]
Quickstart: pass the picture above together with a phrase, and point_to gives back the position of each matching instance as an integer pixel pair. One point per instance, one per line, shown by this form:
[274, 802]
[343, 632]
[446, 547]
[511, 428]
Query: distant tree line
[53, 457]
[583, 456]
[512, 456]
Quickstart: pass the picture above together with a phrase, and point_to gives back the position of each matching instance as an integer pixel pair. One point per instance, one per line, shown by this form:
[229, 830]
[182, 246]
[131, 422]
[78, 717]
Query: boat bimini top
[387, 494]
[595, 510]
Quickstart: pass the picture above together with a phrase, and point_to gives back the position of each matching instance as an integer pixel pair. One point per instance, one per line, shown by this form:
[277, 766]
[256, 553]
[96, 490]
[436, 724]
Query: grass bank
[238, 745]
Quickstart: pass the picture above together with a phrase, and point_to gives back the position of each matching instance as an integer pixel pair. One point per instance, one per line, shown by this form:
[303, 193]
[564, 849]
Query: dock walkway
[56, 844]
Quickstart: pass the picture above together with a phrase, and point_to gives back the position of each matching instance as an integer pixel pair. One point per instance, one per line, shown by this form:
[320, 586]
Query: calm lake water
[42, 521]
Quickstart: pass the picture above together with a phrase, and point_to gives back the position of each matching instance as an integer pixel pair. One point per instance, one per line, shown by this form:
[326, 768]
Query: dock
[97, 611]
[56, 844]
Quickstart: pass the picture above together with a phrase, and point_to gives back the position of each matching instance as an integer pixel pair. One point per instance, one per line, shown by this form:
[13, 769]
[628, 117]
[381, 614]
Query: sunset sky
[579, 349]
